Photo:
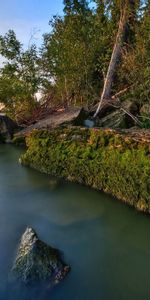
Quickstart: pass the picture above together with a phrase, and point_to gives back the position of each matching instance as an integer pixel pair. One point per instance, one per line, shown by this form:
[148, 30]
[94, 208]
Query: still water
[106, 243]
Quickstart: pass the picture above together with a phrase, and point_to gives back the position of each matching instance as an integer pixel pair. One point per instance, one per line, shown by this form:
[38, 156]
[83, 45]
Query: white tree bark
[115, 58]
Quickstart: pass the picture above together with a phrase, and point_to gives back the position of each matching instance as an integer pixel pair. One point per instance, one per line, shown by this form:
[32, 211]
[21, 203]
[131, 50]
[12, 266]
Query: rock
[53, 183]
[7, 128]
[36, 261]
[89, 123]
[114, 120]
[119, 118]
[74, 116]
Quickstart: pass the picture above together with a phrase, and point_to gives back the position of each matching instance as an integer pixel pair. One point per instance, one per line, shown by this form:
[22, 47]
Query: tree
[19, 76]
[76, 52]
[66, 55]
[126, 15]
[72, 7]
[76, 61]
[136, 62]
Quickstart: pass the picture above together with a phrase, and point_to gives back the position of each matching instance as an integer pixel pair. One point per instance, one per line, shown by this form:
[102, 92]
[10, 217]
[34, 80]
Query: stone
[53, 183]
[113, 120]
[38, 262]
[74, 116]
[7, 128]
[119, 118]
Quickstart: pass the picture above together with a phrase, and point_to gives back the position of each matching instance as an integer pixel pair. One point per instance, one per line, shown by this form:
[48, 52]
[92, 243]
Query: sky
[28, 17]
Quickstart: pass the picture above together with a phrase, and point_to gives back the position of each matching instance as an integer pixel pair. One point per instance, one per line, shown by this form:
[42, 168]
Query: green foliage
[10, 47]
[75, 55]
[135, 67]
[145, 123]
[104, 160]
[19, 77]
[77, 52]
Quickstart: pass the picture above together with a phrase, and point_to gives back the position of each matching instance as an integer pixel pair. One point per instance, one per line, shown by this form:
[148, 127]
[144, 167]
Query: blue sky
[28, 17]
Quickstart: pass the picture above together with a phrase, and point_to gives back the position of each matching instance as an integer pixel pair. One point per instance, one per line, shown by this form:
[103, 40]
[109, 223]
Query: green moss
[102, 159]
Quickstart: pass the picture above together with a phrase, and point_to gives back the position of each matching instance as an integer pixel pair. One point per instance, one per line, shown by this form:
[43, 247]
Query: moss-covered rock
[37, 261]
[103, 159]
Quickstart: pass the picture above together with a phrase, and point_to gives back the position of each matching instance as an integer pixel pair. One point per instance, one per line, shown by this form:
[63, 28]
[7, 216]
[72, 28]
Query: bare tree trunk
[115, 58]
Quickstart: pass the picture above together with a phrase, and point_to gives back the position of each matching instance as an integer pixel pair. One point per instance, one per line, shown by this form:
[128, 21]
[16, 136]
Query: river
[106, 242]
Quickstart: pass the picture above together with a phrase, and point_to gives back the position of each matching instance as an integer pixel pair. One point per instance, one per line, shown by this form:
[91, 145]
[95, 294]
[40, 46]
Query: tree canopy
[73, 60]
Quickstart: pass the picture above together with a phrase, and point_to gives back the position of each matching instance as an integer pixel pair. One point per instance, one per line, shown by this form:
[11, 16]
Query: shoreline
[100, 158]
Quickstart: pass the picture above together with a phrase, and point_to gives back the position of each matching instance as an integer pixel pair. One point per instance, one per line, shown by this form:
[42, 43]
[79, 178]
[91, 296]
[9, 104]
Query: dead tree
[115, 57]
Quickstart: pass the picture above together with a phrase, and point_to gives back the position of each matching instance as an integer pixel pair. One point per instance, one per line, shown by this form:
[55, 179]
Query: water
[106, 243]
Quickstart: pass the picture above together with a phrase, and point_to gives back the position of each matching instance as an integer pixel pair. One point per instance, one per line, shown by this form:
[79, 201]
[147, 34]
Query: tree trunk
[115, 58]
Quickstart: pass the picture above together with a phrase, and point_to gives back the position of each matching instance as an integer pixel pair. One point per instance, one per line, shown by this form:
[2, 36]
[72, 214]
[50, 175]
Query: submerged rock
[36, 261]
[53, 183]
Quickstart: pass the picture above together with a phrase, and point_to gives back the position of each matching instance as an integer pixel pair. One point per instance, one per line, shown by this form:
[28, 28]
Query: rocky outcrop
[36, 261]
[116, 119]
[74, 116]
[7, 128]
[119, 117]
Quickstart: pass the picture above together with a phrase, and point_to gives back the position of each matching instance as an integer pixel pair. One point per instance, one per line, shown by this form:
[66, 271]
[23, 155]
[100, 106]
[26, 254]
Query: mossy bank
[102, 159]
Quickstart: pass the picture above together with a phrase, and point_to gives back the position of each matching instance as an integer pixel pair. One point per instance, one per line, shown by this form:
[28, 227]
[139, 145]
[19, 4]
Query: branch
[122, 91]
[135, 119]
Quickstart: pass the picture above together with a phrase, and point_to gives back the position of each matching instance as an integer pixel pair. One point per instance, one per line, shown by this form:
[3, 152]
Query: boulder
[114, 120]
[36, 261]
[119, 117]
[7, 128]
[73, 116]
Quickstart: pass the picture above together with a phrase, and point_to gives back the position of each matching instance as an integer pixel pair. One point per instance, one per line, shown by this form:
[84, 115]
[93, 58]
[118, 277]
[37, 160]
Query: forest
[97, 51]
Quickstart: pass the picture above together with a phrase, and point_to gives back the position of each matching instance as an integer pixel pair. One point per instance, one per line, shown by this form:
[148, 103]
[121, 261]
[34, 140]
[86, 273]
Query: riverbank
[103, 159]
